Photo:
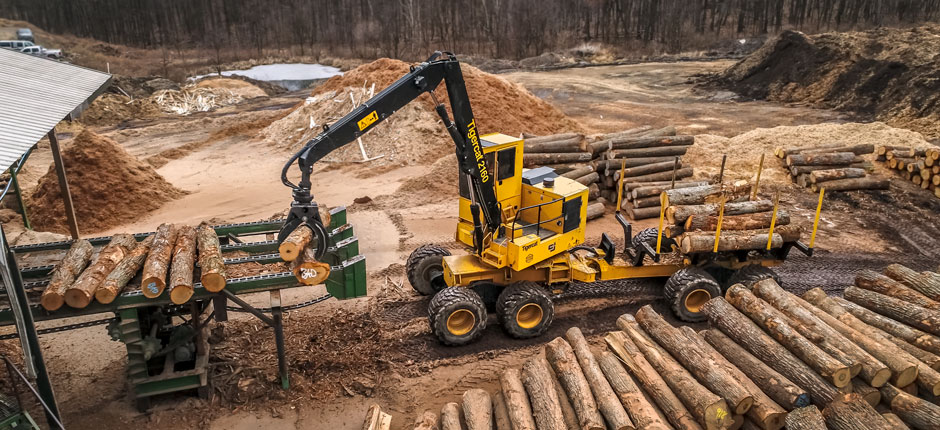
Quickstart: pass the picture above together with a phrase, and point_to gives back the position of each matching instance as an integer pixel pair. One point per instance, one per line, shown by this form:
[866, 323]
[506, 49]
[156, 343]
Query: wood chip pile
[769, 359]
[834, 167]
[918, 165]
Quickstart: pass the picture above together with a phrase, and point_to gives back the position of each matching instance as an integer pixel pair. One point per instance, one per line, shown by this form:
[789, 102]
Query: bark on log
[542, 396]
[896, 309]
[927, 283]
[640, 213]
[755, 221]
[593, 192]
[852, 413]
[181, 269]
[644, 415]
[918, 338]
[820, 159]
[653, 383]
[806, 418]
[884, 149]
[561, 145]
[552, 138]
[918, 413]
[902, 365]
[631, 172]
[588, 179]
[595, 210]
[477, 409]
[860, 149]
[607, 401]
[706, 193]
[682, 173]
[656, 190]
[428, 420]
[646, 142]
[679, 214]
[529, 160]
[629, 132]
[579, 172]
[874, 281]
[692, 242]
[153, 278]
[867, 183]
[613, 165]
[450, 416]
[501, 412]
[82, 291]
[830, 340]
[895, 421]
[64, 274]
[563, 360]
[726, 317]
[308, 270]
[777, 325]
[695, 360]
[211, 264]
[710, 410]
[295, 243]
[646, 202]
[114, 284]
[517, 403]
[800, 170]
[870, 394]
[820, 176]
[567, 410]
[659, 151]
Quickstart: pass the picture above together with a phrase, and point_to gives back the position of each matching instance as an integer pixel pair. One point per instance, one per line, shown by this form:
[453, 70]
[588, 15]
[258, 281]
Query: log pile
[165, 261]
[833, 167]
[918, 165]
[647, 157]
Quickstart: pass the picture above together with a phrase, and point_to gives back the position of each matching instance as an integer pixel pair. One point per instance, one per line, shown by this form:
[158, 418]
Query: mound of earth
[238, 87]
[889, 74]
[108, 186]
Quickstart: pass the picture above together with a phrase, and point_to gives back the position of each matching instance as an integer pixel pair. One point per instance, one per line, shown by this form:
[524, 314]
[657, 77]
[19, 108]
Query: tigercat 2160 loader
[524, 229]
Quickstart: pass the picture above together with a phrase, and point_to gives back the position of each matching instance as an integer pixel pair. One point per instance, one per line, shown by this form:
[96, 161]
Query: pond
[293, 76]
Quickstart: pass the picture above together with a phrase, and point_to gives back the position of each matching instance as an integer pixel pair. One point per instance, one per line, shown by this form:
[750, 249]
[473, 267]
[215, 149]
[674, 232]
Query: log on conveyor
[916, 412]
[820, 176]
[64, 274]
[853, 413]
[181, 268]
[543, 398]
[918, 338]
[740, 240]
[820, 159]
[530, 160]
[553, 146]
[563, 360]
[114, 284]
[595, 210]
[927, 283]
[653, 383]
[211, 264]
[745, 332]
[710, 410]
[607, 401]
[644, 414]
[659, 151]
[871, 370]
[657, 189]
[867, 183]
[679, 214]
[308, 270]
[777, 325]
[806, 418]
[754, 221]
[874, 281]
[706, 193]
[294, 244]
[82, 291]
[899, 310]
[477, 409]
[695, 360]
[153, 277]
[682, 173]
[579, 172]
[518, 408]
[614, 165]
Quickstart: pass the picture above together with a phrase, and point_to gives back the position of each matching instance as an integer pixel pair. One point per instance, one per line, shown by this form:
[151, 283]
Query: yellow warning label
[368, 120]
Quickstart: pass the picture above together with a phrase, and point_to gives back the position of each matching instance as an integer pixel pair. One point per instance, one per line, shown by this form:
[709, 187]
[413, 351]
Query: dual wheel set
[459, 315]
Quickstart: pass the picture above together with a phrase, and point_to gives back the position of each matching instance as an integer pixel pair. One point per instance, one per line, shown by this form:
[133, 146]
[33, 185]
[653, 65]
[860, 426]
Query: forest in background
[409, 29]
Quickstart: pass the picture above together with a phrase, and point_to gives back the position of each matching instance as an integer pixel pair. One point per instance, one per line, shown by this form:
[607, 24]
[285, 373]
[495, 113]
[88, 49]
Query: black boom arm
[423, 78]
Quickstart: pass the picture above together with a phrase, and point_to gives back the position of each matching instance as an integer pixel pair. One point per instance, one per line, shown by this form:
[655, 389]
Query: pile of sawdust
[108, 186]
[439, 184]
[744, 150]
[109, 109]
[887, 73]
[238, 87]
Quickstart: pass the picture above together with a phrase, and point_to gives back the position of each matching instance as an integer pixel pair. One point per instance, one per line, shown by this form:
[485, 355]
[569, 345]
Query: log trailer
[524, 229]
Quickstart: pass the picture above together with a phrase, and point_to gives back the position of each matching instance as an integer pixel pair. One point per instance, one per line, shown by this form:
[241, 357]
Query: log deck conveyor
[166, 342]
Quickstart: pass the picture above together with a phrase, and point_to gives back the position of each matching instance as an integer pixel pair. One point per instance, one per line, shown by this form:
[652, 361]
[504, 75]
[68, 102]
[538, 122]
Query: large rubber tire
[525, 310]
[457, 316]
[750, 275]
[421, 264]
[648, 235]
[687, 290]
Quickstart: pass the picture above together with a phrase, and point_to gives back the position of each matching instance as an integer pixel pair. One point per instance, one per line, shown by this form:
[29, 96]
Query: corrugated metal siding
[35, 94]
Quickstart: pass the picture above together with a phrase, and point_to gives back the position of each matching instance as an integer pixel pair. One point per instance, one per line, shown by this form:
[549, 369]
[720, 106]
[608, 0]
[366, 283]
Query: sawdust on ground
[238, 87]
[108, 186]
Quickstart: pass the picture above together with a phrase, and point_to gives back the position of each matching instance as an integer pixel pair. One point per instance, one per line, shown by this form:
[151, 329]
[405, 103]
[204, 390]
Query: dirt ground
[396, 362]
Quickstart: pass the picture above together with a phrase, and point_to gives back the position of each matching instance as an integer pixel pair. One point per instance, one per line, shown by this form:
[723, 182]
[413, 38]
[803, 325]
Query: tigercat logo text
[530, 246]
[369, 119]
[477, 151]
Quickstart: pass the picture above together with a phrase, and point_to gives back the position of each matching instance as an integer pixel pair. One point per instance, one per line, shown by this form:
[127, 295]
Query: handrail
[11, 368]
[538, 223]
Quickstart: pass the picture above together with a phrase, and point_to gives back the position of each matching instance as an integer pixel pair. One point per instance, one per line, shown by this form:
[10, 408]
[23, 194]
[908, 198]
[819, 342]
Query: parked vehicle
[15, 44]
[39, 51]
[25, 34]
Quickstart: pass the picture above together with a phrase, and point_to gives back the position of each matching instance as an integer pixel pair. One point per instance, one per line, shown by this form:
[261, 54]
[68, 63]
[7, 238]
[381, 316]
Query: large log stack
[833, 167]
[918, 165]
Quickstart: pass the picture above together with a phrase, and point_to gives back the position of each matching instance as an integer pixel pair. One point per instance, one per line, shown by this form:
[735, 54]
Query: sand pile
[744, 150]
[108, 187]
[238, 87]
[890, 74]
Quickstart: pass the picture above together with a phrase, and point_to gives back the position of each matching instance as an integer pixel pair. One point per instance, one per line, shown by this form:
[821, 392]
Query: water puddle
[293, 76]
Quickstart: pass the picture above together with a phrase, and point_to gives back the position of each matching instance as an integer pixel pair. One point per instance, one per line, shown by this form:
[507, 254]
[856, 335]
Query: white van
[15, 44]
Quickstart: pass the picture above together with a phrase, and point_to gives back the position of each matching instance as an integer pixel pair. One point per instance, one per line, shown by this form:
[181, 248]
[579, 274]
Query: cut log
[895, 421]
[860, 149]
[644, 415]
[629, 132]
[593, 192]
[884, 149]
[595, 210]
[631, 172]
[181, 270]
[710, 410]
[874, 281]
[682, 173]
[806, 418]
[563, 360]
[820, 176]
[925, 319]
[665, 131]
[801, 170]
[308, 270]
[918, 413]
[653, 383]
[561, 145]
[501, 412]
[902, 365]
[737, 326]
[692, 242]
[634, 143]
[114, 284]
[706, 193]
[784, 152]
[613, 165]
[830, 340]
[295, 242]
[588, 179]
[153, 278]
[656, 190]
[530, 160]
[927, 283]
[542, 395]
[477, 409]
[820, 159]
[82, 291]
[64, 274]
[517, 403]
[579, 172]
[640, 213]
[450, 416]
[552, 138]
[852, 413]
[607, 401]
[567, 410]
[646, 202]
[754, 221]
[427, 420]
[777, 325]
[695, 360]
[658, 151]
[211, 264]
[867, 183]
[376, 419]
[679, 214]
[918, 338]
[870, 394]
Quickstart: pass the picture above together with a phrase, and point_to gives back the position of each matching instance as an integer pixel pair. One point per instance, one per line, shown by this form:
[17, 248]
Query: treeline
[411, 28]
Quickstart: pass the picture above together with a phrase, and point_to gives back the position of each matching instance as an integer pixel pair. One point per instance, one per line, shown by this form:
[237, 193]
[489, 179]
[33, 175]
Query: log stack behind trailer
[921, 166]
[833, 167]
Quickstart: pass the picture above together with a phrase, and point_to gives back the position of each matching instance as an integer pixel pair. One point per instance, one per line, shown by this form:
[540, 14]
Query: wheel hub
[529, 315]
[696, 300]
[460, 322]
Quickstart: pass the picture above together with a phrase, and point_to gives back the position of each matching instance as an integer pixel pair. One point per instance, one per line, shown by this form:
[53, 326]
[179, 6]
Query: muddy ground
[346, 355]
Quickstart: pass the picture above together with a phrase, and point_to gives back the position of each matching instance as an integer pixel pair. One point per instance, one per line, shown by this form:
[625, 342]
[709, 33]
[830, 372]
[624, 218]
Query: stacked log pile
[833, 167]
[918, 165]
[770, 359]
[165, 261]
[650, 160]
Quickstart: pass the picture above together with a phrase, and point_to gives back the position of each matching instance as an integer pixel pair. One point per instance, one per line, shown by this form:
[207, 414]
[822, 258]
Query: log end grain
[181, 294]
[213, 282]
[152, 287]
[51, 302]
[77, 298]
